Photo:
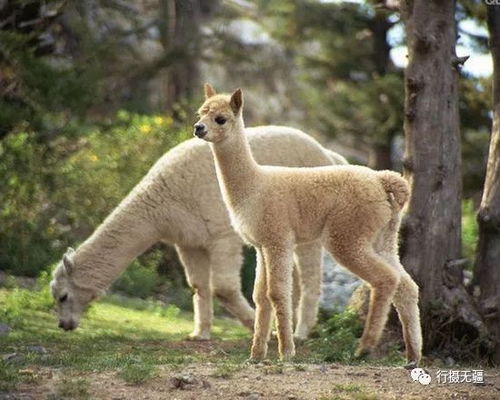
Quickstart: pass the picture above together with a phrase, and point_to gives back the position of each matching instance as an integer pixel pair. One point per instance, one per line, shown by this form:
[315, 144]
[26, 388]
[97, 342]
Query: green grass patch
[137, 373]
[227, 370]
[337, 337]
[349, 391]
[71, 389]
[125, 335]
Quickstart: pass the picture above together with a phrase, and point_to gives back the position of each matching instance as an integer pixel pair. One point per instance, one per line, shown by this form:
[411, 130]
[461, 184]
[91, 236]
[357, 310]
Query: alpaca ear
[67, 263]
[236, 101]
[209, 90]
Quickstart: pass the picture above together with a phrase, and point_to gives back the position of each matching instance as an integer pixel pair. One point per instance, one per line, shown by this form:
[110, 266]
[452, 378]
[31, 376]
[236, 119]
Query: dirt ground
[272, 381]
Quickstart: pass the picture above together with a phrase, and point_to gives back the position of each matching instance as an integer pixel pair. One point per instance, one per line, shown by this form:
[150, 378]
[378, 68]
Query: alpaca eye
[63, 298]
[220, 120]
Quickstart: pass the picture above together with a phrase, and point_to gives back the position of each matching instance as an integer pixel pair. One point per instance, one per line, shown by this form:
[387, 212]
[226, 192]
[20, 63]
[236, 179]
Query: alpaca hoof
[198, 337]
[411, 365]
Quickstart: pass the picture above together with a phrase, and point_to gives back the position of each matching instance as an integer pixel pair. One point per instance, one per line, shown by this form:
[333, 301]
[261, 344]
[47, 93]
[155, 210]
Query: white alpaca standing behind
[354, 210]
[179, 202]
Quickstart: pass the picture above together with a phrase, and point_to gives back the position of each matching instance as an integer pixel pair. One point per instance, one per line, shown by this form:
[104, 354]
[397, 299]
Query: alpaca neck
[237, 170]
[111, 248]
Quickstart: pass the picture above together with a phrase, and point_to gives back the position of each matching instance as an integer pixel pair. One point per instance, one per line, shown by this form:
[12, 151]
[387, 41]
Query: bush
[338, 337]
[22, 299]
[469, 231]
[55, 193]
[140, 278]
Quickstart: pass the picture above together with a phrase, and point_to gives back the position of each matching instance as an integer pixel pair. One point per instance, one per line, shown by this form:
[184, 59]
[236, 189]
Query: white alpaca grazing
[179, 202]
[353, 210]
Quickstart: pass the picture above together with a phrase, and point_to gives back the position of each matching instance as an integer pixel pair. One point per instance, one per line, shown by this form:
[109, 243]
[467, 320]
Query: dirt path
[254, 382]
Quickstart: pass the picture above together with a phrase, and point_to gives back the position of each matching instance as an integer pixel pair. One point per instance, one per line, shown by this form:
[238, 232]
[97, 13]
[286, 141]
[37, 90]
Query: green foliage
[137, 373]
[338, 337]
[19, 300]
[8, 376]
[140, 278]
[469, 231]
[248, 272]
[55, 195]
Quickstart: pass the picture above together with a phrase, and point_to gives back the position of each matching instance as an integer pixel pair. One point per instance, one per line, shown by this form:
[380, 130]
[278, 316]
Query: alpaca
[353, 210]
[179, 202]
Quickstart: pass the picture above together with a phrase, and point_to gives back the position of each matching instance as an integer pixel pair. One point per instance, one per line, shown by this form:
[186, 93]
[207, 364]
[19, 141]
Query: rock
[338, 285]
[37, 349]
[253, 396]
[12, 357]
[4, 329]
[183, 382]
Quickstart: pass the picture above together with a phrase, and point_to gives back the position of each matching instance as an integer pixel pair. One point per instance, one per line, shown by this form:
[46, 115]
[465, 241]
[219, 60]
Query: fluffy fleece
[179, 202]
[353, 210]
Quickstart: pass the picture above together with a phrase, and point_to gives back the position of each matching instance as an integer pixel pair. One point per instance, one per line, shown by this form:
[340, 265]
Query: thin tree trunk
[380, 153]
[181, 29]
[380, 156]
[432, 228]
[487, 268]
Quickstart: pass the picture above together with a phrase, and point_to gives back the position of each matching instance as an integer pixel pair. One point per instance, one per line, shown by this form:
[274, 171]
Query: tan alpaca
[354, 210]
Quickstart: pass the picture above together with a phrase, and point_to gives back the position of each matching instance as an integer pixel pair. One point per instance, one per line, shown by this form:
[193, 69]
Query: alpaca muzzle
[200, 130]
[67, 325]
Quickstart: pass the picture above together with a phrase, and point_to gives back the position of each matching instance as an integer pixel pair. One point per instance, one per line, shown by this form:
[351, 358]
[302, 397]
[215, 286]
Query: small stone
[37, 349]
[4, 329]
[183, 382]
[253, 396]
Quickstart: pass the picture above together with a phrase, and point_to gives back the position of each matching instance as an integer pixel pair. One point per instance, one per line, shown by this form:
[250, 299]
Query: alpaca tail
[396, 187]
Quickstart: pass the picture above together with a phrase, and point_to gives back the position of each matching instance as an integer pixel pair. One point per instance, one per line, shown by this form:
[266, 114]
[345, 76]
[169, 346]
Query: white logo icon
[418, 374]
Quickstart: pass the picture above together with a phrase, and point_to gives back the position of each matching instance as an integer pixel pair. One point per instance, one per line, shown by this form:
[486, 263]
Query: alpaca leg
[263, 311]
[296, 294]
[406, 303]
[405, 299]
[225, 262]
[308, 258]
[279, 284]
[362, 260]
[197, 267]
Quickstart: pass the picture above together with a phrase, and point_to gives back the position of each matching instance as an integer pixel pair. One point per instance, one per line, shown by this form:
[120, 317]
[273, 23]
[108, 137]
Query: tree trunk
[181, 29]
[380, 156]
[380, 152]
[487, 268]
[431, 249]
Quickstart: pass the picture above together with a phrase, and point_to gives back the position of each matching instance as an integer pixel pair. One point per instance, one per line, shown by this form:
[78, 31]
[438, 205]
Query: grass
[351, 391]
[227, 370]
[135, 339]
[71, 389]
[137, 373]
[131, 337]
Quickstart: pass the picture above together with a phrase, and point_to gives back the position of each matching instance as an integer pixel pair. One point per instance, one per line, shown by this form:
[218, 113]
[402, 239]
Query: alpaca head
[71, 299]
[220, 115]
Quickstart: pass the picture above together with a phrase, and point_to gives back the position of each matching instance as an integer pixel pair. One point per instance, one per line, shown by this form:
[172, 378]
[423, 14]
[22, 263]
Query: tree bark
[487, 268]
[380, 152]
[431, 249]
[181, 22]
